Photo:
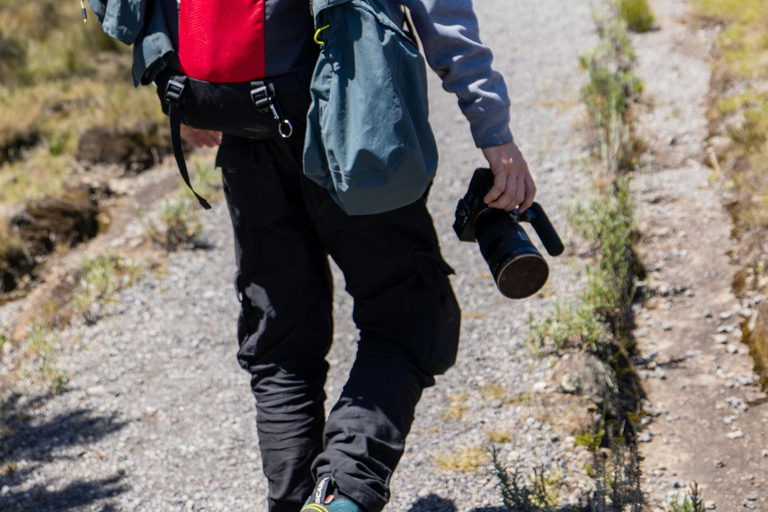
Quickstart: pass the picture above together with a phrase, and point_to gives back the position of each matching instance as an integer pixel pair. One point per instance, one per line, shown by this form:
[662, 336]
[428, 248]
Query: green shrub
[637, 14]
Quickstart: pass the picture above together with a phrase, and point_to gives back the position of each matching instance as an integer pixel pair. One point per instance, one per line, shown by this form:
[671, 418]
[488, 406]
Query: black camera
[517, 267]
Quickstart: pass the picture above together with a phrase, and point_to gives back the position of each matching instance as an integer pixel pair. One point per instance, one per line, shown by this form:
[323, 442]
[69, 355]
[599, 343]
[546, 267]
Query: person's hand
[513, 184]
[200, 138]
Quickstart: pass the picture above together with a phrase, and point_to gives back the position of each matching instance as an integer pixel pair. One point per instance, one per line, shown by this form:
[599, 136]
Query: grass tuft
[637, 14]
[99, 282]
[462, 460]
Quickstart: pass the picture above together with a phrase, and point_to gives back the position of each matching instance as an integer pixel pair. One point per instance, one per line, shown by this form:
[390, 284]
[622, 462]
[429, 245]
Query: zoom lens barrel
[517, 267]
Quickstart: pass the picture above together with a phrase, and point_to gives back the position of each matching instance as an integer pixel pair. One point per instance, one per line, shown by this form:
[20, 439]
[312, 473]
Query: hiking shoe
[326, 499]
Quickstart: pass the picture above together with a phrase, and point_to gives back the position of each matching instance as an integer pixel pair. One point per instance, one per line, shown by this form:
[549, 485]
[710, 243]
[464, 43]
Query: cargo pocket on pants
[446, 315]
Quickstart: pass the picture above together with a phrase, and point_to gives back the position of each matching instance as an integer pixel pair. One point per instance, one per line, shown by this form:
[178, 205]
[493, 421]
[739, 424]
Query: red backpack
[221, 82]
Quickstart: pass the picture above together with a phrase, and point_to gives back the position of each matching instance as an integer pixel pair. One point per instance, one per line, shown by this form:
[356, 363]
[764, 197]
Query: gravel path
[710, 412]
[159, 416]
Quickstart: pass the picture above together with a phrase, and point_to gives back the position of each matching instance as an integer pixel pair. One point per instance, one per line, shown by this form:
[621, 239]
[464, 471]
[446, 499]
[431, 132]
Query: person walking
[285, 226]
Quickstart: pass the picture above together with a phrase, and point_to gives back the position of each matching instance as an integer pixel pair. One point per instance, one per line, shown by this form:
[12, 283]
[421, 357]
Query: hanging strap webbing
[173, 93]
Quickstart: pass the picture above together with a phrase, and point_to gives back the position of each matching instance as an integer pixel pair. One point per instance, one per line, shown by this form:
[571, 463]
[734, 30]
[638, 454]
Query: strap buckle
[173, 91]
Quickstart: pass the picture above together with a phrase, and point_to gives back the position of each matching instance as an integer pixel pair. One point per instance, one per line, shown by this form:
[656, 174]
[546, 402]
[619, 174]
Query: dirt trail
[698, 373]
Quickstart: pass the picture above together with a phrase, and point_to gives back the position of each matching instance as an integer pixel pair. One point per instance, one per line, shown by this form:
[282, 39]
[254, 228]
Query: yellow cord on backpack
[85, 14]
[317, 33]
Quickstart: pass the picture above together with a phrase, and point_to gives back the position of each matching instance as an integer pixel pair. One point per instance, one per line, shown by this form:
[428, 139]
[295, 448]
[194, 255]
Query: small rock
[672, 417]
[765, 453]
[690, 354]
[719, 464]
[96, 390]
[736, 434]
[707, 313]
[729, 419]
[667, 326]
[727, 329]
[721, 338]
[725, 315]
[677, 483]
[732, 349]
[660, 374]
[540, 386]
[644, 437]
[709, 505]
[752, 496]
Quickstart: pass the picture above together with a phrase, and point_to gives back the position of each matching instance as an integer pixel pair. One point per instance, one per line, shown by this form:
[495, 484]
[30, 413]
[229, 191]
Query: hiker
[286, 225]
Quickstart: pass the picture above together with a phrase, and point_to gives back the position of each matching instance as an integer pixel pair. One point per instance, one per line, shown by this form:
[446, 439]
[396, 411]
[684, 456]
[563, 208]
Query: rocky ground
[711, 422]
[157, 415]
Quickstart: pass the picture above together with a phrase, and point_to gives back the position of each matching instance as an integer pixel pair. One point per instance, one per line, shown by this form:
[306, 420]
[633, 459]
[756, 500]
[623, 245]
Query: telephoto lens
[517, 267]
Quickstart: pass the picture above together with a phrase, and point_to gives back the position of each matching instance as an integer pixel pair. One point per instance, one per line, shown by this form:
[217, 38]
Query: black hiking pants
[285, 227]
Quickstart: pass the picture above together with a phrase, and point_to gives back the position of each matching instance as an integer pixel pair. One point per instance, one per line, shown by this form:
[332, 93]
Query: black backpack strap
[173, 92]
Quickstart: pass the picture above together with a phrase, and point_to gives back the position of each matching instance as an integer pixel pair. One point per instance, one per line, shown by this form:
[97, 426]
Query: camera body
[517, 267]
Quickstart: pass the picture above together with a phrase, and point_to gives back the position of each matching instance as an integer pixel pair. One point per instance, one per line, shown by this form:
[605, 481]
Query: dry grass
[457, 406]
[58, 77]
[463, 459]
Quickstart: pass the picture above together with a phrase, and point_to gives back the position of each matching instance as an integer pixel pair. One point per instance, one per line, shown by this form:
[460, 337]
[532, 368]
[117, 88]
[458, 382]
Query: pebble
[719, 464]
[752, 496]
[709, 505]
[667, 326]
[732, 349]
[644, 437]
[721, 338]
[736, 434]
[725, 315]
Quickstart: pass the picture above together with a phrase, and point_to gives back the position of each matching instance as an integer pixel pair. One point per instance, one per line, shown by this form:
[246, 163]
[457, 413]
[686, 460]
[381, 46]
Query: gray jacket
[448, 30]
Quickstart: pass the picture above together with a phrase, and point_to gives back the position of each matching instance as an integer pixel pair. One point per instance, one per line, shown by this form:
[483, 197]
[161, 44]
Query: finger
[499, 185]
[519, 193]
[530, 193]
[507, 200]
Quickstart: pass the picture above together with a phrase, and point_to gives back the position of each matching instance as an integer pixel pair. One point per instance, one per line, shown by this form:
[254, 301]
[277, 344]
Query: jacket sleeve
[449, 31]
[129, 21]
[120, 19]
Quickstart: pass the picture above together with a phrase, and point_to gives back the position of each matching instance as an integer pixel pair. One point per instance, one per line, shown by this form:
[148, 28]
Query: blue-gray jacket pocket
[368, 136]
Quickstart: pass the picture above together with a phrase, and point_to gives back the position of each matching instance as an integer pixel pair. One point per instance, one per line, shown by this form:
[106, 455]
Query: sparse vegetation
[100, 280]
[637, 14]
[609, 94]
[738, 155]
[40, 363]
[538, 491]
[598, 321]
[457, 406]
[692, 502]
[175, 225]
[462, 460]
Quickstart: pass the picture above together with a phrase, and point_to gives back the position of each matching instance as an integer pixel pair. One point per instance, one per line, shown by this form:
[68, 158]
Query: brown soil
[709, 424]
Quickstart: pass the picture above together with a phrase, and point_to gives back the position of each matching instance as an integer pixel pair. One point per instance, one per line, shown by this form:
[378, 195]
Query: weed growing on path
[692, 502]
[601, 319]
[462, 460]
[637, 14]
[100, 279]
[539, 491]
[175, 225]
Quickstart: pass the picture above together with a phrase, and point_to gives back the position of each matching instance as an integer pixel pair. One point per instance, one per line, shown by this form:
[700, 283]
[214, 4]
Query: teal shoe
[325, 499]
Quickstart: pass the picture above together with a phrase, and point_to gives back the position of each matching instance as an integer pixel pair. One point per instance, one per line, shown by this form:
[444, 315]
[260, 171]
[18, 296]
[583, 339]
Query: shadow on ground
[30, 439]
[434, 503]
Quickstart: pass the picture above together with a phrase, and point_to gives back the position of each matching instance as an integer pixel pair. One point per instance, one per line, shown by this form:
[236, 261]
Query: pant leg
[409, 327]
[285, 325]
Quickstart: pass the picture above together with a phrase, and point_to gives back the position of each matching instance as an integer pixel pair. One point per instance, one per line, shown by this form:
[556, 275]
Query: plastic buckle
[173, 92]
